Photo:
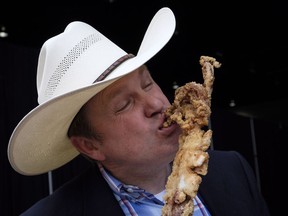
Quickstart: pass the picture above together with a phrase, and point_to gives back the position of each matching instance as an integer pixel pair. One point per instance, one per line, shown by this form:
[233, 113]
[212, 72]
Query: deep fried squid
[191, 109]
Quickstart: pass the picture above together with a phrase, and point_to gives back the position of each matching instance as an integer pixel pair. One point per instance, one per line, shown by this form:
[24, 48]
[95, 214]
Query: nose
[155, 104]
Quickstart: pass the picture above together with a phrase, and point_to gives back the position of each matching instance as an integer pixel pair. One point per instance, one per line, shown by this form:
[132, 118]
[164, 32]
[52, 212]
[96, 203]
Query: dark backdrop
[231, 132]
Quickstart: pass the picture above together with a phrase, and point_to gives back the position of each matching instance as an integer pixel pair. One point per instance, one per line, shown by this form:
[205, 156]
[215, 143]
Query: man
[97, 100]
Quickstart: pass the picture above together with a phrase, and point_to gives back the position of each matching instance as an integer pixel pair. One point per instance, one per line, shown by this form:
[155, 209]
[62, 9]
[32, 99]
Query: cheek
[123, 128]
[130, 134]
[123, 142]
[132, 129]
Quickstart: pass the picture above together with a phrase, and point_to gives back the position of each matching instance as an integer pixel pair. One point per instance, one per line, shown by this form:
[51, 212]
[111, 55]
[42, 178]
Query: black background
[249, 39]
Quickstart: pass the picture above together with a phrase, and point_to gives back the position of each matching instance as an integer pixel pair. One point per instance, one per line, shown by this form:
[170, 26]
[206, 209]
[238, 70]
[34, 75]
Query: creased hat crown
[73, 59]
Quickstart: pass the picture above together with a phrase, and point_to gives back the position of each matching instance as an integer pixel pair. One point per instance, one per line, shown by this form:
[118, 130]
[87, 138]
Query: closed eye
[148, 86]
[123, 105]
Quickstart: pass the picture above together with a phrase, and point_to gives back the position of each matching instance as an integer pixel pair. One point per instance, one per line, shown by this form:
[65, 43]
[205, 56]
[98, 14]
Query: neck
[153, 182]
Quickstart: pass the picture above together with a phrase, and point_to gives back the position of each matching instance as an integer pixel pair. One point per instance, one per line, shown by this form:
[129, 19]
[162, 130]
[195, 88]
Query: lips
[165, 127]
[164, 123]
[169, 130]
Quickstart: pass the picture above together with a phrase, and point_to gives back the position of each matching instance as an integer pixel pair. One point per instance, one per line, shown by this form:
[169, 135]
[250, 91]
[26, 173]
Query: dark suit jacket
[229, 189]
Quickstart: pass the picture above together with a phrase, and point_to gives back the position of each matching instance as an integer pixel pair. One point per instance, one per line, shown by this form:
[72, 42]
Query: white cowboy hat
[74, 66]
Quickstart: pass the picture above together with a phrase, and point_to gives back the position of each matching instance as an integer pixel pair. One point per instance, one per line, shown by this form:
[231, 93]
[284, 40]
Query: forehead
[113, 89]
[138, 73]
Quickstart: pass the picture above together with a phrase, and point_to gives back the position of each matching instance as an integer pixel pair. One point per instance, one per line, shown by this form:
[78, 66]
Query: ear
[89, 147]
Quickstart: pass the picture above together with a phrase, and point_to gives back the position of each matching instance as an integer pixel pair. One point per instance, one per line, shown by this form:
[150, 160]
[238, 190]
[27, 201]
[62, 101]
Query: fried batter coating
[191, 109]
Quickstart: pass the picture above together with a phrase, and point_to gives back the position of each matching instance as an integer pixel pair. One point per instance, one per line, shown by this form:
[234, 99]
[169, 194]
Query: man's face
[129, 116]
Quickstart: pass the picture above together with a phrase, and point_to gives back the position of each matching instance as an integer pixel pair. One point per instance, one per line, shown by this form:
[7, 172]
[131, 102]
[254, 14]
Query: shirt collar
[130, 192]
